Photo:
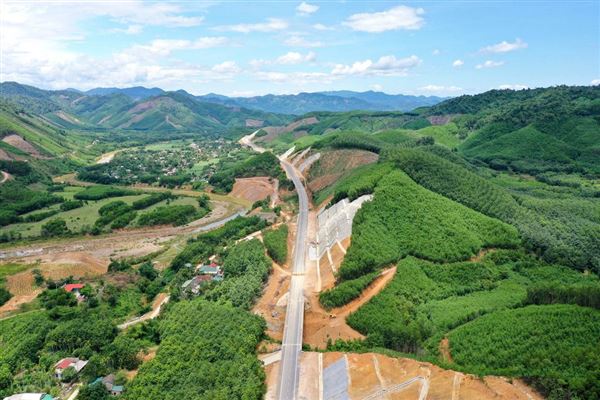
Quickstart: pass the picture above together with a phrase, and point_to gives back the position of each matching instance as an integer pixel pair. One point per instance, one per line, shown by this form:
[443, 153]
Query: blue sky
[438, 47]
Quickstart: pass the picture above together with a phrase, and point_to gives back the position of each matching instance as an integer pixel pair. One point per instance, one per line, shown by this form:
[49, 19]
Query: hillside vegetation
[417, 222]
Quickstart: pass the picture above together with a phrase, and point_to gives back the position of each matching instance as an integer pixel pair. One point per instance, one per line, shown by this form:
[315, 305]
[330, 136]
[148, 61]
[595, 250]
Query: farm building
[70, 362]
[74, 287]
[109, 383]
[193, 285]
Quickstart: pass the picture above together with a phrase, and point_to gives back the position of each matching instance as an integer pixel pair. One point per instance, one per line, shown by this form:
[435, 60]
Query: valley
[360, 254]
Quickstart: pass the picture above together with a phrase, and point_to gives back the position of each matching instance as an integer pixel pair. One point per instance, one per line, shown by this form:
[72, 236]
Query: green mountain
[118, 109]
[339, 101]
[550, 129]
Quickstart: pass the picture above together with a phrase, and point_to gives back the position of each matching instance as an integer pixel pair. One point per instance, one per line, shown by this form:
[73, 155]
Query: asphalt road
[291, 346]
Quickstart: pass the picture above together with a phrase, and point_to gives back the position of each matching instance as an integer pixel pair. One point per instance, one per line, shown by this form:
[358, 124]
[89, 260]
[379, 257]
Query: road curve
[291, 346]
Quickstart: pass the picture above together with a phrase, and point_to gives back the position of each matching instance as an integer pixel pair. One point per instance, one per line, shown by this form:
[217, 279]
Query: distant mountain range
[298, 104]
[134, 109]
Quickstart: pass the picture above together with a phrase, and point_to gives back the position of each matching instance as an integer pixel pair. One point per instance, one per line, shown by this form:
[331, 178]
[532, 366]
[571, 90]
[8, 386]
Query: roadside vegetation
[276, 243]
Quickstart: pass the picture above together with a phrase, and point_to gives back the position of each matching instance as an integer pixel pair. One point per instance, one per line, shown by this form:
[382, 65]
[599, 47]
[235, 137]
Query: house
[29, 396]
[109, 383]
[211, 269]
[193, 285]
[65, 363]
[74, 287]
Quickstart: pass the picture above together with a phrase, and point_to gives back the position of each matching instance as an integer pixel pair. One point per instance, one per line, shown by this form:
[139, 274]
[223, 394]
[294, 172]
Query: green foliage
[102, 192]
[151, 199]
[39, 216]
[346, 291]
[246, 270]
[556, 346]
[264, 164]
[417, 222]
[71, 205]
[22, 337]
[55, 227]
[204, 245]
[207, 352]
[174, 214]
[95, 391]
[16, 199]
[52, 298]
[361, 181]
[565, 231]
[276, 243]
[15, 167]
[586, 295]
[89, 330]
[5, 295]
[147, 271]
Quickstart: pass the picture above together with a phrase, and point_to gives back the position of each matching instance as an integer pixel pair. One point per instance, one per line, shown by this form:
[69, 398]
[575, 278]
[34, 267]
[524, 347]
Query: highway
[291, 346]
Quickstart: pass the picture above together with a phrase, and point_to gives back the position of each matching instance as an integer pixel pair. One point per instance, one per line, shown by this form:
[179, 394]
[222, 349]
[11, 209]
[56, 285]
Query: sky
[246, 48]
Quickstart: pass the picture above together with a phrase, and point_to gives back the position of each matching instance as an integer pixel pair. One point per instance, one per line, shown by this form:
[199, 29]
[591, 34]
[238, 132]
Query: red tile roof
[69, 287]
[64, 363]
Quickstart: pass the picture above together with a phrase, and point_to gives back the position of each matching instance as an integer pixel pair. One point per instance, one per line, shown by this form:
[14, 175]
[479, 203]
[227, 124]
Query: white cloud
[299, 41]
[458, 63]
[164, 47]
[504, 47]
[227, 67]
[438, 89]
[295, 78]
[306, 9]
[489, 64]
[377, 87]
[595, 82]
[513, 87]
[436, 52]
[130, 30]
[385, 66]
[321, 27]
[399, 17]
[270, 25]
[293, 57]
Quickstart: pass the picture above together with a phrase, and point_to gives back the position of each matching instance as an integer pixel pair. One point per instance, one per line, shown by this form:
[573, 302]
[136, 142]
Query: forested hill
[134, 110]
[537, 130]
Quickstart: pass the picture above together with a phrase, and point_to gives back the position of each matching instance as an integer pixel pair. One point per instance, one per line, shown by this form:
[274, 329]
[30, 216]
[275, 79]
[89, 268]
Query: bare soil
[21, 144]
[253, 189]
[445, 350]
[333, 164]
[274, 131]
[369, 373]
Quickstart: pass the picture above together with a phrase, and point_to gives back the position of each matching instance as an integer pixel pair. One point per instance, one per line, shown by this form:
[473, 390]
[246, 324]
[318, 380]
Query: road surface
[291, 346]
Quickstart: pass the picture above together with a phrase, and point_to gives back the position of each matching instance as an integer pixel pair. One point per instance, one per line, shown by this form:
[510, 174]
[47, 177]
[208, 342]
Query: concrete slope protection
[294, 318]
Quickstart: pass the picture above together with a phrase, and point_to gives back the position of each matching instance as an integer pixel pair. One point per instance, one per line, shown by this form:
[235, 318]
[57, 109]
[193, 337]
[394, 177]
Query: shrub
[55, 227]
[346, 291]
[276, 243]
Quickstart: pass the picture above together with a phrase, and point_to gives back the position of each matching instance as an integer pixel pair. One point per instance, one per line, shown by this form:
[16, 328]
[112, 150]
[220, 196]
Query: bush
[151, 199]
[102, 192]
[55, 227]
[276, 243]
[175, 215]
[71, 205]
[39, 216]
[346, 291]
[5, 295]
[246, 269]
